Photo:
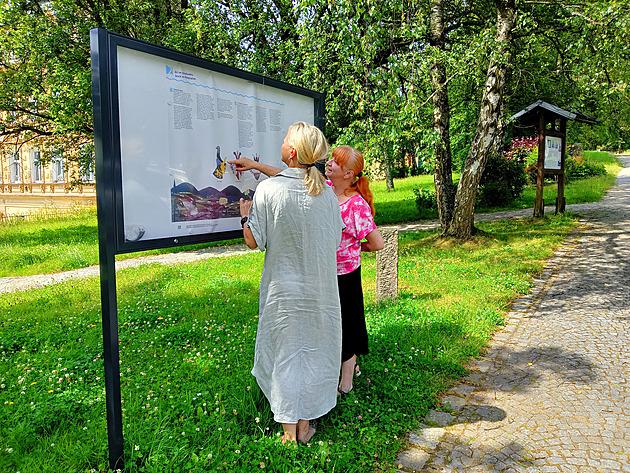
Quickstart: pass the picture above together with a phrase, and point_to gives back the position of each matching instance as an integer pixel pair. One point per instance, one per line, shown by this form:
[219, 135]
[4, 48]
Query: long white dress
[298, 343]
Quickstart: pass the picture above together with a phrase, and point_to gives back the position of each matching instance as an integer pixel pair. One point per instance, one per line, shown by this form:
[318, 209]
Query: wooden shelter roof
[532, 110]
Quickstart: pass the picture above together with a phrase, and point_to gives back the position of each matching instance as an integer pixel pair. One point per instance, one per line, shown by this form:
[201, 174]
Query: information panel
[553, 152]
[177, 120]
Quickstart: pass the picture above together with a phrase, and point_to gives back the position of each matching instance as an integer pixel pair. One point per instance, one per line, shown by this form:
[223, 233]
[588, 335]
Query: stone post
[387, 265]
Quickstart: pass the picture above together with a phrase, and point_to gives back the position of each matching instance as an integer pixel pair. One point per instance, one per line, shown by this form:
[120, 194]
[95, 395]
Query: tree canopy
[373, 59]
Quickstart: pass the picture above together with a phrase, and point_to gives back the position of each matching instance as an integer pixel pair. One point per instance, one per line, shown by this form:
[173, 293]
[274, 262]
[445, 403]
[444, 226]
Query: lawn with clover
[187, 337]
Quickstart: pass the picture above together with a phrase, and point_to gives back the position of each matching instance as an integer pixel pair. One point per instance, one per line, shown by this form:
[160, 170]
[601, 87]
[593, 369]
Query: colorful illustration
[256, 172]
[221, 165]
[237, 155]
[188, 203]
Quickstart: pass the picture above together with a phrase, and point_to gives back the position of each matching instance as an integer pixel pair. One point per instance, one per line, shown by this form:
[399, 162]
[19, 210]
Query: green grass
[187, 336]
[60, 243]
[398, 205]
[51, 245]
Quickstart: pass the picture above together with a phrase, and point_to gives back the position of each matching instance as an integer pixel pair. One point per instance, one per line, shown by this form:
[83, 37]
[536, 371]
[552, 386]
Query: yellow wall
[25, 197]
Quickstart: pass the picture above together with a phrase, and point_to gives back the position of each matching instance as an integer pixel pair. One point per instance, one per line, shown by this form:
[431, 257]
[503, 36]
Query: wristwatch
[243, 220]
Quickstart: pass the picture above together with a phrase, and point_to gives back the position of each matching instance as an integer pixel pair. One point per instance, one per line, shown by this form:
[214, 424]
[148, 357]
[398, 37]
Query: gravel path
[23, 283]
[551, 394]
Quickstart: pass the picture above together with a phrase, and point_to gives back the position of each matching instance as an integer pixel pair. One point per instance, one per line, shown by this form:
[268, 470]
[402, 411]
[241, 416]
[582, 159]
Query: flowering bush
[520, 148]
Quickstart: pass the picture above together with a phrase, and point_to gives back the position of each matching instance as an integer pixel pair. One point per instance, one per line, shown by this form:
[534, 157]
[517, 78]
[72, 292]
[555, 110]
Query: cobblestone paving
[551, 394]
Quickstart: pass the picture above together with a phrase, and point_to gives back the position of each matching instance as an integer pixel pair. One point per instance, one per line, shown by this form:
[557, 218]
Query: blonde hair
[311, 146]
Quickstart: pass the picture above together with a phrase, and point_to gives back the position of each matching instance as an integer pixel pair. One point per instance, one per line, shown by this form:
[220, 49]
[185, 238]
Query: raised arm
[245, 164]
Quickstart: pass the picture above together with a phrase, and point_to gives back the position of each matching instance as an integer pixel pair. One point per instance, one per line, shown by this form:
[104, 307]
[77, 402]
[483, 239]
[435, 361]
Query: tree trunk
[389, 179]
[489, 126]
[443, 174]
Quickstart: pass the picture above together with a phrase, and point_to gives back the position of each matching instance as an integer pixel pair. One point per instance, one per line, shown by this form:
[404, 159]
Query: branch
[445, 83]
[22, 128]
[540, 2]
[543, 31]
[568, 8]
[30, 113]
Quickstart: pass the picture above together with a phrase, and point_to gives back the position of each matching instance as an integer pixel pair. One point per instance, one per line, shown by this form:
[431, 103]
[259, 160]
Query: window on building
[15, 168]
[87, 175]
[36, 166]
[57, 163]
[87, 163]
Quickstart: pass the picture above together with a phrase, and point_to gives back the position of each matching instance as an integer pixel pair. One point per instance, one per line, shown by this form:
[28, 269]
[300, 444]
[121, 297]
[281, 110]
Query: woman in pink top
[345, 173]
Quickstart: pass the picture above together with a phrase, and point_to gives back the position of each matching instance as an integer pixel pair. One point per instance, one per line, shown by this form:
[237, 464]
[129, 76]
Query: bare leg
[347, 372]
[290, 433]
[304, 431]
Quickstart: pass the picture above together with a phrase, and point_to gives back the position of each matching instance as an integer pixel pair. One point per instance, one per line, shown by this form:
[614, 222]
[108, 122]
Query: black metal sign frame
[104, 46]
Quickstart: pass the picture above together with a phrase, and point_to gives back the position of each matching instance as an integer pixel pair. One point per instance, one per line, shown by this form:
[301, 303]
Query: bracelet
[243, 220]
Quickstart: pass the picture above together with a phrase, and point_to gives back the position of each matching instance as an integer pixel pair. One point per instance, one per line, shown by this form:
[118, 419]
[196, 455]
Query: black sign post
[103, 145]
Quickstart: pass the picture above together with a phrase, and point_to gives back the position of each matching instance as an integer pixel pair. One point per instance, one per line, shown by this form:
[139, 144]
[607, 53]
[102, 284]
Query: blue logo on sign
[169, 70]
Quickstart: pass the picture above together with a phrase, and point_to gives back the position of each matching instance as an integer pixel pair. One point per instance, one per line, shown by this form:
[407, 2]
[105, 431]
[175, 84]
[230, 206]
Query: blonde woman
[294, 217]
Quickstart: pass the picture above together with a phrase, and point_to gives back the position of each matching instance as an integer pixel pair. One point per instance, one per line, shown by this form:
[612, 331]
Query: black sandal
[344, 393]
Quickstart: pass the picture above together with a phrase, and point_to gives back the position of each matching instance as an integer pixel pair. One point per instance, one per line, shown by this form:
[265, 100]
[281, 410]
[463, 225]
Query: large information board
[165, 125]
[175, 121]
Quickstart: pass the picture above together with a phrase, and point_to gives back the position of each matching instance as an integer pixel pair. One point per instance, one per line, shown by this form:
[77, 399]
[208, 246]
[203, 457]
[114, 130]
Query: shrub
[502, 181]
[577, 168]
[426, 202]
[525, 150]
[532, 173]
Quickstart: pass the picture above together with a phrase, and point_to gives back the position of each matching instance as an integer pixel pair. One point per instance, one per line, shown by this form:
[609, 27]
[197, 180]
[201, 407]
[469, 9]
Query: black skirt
[354, 337]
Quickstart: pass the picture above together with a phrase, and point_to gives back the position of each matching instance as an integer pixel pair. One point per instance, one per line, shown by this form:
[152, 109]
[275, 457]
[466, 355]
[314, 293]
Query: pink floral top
[357, 217]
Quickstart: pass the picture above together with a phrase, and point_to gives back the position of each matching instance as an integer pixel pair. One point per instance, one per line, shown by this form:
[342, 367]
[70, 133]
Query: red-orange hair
[349, 159]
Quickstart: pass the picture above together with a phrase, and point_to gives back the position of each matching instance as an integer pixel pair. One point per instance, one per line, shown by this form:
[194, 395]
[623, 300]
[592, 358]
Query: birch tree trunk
[489, 126]
[443, 174]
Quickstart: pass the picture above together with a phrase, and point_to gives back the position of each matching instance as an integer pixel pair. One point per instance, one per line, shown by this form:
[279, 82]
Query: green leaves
[372, 59]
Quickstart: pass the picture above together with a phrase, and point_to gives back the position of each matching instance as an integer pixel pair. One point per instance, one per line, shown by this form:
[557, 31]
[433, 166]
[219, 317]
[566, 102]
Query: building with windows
[30, 183]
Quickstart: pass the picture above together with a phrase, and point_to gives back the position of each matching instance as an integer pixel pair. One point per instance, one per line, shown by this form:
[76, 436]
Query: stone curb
[550, 392]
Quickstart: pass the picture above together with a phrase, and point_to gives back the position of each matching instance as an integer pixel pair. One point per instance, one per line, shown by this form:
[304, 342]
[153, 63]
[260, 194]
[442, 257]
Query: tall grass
[187, 335]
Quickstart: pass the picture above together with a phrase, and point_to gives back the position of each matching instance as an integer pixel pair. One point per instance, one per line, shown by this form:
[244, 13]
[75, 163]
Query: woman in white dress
[294, 217]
